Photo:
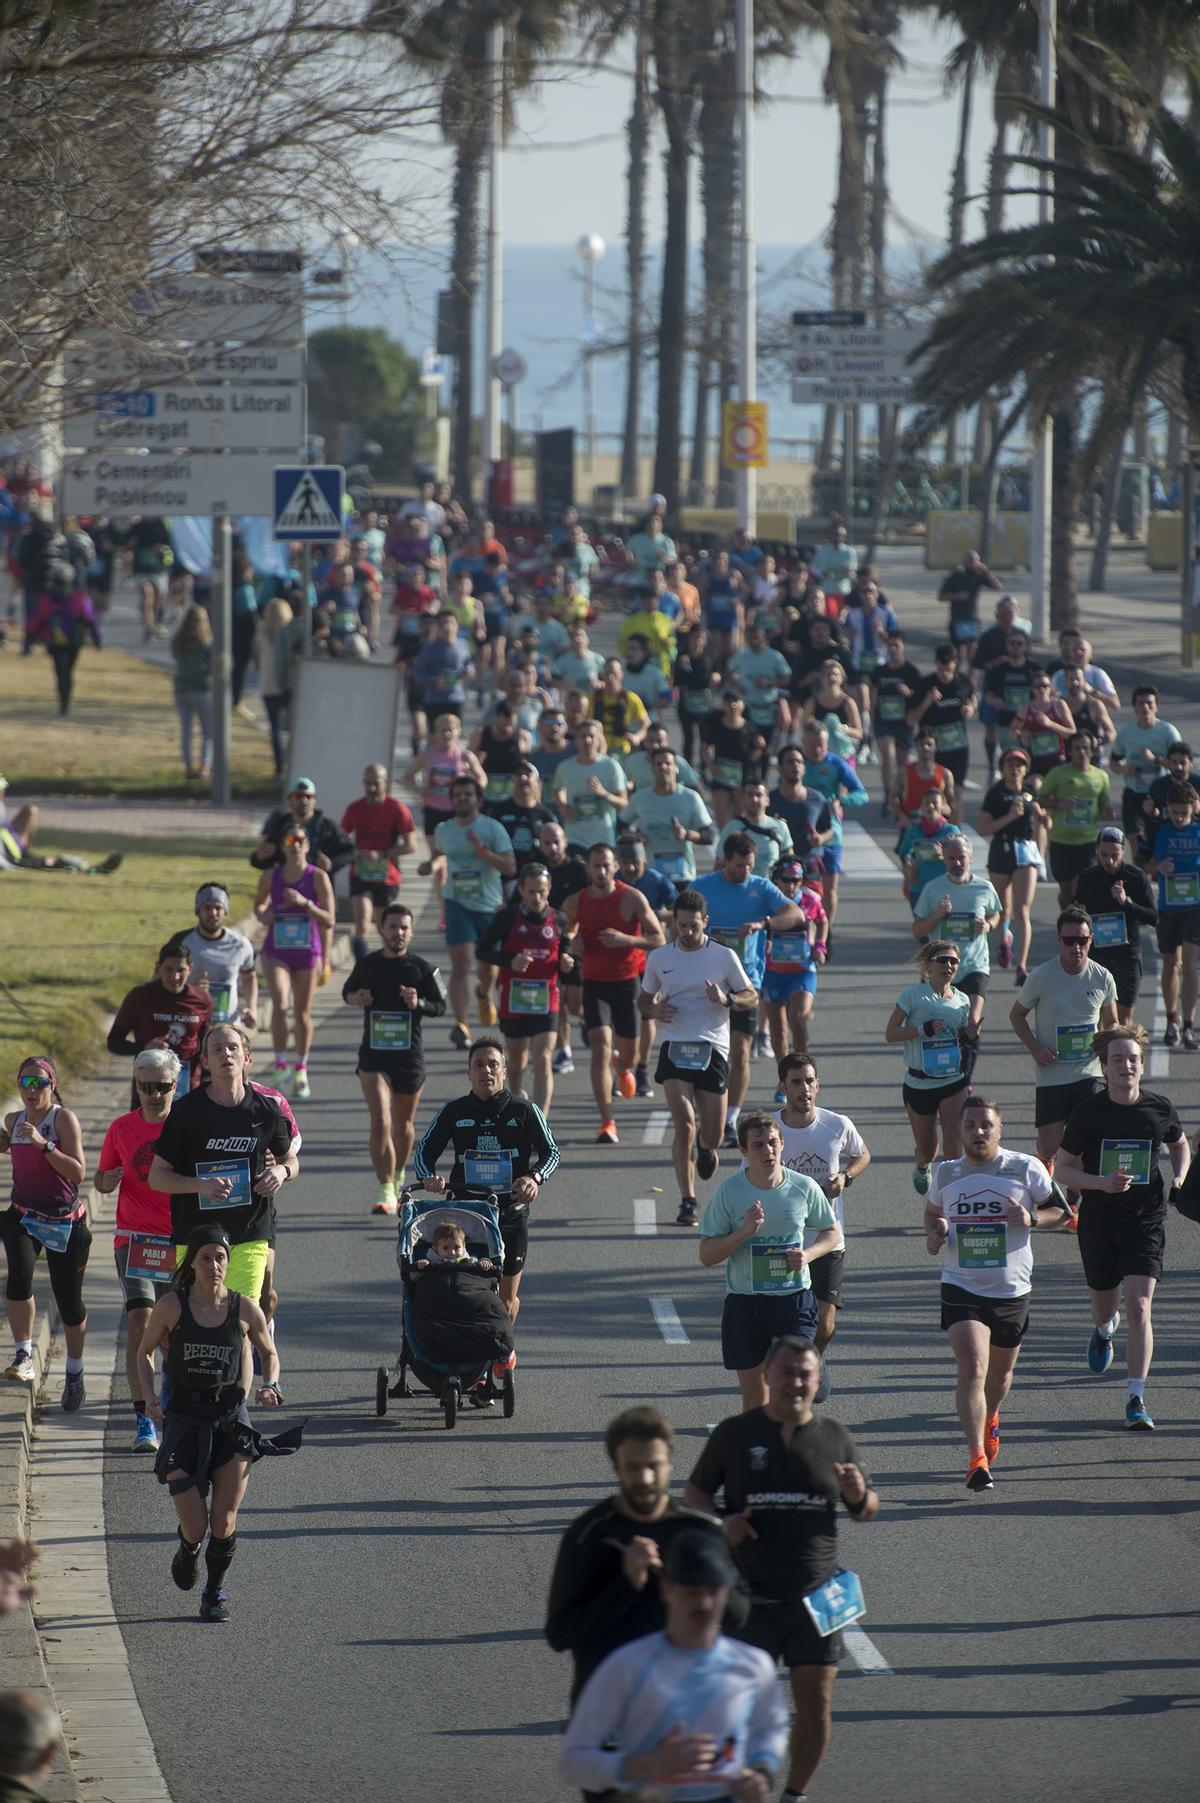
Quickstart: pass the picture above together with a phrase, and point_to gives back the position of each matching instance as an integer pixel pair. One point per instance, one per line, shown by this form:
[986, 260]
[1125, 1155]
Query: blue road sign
[309, 502]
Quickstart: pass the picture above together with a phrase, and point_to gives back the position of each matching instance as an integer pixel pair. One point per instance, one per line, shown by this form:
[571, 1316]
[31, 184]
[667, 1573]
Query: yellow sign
[744, 435]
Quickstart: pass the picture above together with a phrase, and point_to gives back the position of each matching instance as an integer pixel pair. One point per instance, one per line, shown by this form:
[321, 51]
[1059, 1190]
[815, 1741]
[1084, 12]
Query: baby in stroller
[458, 1321]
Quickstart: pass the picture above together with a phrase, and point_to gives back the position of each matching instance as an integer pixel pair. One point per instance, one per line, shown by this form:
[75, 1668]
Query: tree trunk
[958, 209]
[714, 128]
[638, 138]
[1064, 486]
[887, 416]
[464, 287]
[1098, 574]
[999, 163]
[672, 325]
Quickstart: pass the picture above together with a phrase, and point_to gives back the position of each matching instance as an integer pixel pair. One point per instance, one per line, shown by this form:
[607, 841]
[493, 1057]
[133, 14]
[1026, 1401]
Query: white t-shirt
[984, 1254]
[828, 1145]
[222, 961]
[679, 977]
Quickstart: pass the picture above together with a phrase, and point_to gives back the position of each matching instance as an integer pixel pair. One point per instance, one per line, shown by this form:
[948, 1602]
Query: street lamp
[590, 248]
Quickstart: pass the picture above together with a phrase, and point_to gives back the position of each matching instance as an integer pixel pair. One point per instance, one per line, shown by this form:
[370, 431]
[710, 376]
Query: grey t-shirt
[1064, 1013]
[222, 961]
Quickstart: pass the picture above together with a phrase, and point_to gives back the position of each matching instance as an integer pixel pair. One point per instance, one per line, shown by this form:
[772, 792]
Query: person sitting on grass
[16, 838]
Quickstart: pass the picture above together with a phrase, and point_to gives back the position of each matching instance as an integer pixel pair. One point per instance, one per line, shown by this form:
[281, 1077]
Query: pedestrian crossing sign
[309, 502]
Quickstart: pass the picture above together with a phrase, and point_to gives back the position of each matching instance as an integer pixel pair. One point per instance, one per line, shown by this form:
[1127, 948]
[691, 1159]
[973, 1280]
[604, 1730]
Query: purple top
[36, 1185]
[281, 911]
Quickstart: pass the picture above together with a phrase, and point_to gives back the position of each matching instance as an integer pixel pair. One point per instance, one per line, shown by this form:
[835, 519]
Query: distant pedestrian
[191, 647]
[63, 619]
[30, 1734]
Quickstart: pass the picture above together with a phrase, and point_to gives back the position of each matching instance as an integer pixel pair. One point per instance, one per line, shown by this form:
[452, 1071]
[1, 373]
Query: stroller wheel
[450, 1404]
[510, 1395]
[402, 1386]
[381, 1391]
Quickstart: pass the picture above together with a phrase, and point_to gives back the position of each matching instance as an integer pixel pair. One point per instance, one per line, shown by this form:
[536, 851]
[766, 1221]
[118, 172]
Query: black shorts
[1132, 817]
[928, 1101]
[380, 893]
[750, 1323]
[1114, 1245]
[405, 1075]
[743, 1020]
[826, 1275]
[528, 1026]
[714, 1080]
[899, 731]
[1176, 929]
[788, 1632]
[974, 983]
[1000, 861]
[514, 1231]
[1068, 861]
[956, 762]
[611, 1004]
[1124, 966]
[1053, 1102]
[1005, 1317]
[431, 819]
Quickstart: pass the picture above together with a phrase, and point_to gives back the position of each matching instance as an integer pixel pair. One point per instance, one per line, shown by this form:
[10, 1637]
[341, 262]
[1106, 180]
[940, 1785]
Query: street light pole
[747, 479]
[591, 247]
[1041, 501]
[493, 279]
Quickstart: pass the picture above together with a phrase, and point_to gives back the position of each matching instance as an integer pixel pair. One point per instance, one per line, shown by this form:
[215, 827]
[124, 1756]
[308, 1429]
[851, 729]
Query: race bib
[737, 942]
[468, 888]
[371, 866]
[869, 660]
[391, 1030]
[941, 1058]
[488, 1170]
[770, 1272]
[791, 952]
[292, 932]
[49, 1231]
[689, 1054]
[1080, 811]
[220, 994]
[982, 1246]
[892, 707]
[1132, 1156]
[959, 927]
[671, 865]
[529, 995]
[728, 772]
[438, 780]
[1109, 929]
[1072, 1044]
[697, 701]
[836, 1603]
[151, 1255]
[590, 807]
[1183, 889]
[952, 736]
[499, 788]
[1044, 744]
[238, 1172]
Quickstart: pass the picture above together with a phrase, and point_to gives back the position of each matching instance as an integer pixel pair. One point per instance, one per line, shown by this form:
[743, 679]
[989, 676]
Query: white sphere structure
[591, 247]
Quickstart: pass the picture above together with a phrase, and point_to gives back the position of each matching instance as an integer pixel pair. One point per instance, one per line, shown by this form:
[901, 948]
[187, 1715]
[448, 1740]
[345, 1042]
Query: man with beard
[604, 1592]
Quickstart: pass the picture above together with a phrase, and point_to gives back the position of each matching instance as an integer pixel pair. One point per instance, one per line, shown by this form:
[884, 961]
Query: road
[390, 1582]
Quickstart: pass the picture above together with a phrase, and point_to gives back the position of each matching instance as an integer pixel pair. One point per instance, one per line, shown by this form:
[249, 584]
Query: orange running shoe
[991, 1438]
[607, 1135]
[978, 1475]
[627, 1085]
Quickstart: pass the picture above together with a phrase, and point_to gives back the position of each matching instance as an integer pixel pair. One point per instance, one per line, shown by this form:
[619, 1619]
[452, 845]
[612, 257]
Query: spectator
[191, 648]
[30, 1733]
[63, 620]
[274, 675]
[245, 621]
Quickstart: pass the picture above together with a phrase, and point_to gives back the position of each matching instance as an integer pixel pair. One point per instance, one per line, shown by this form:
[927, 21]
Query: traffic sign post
[309, 503]
[121, 484]
[839, 360]
[744, 435]
[190, 417]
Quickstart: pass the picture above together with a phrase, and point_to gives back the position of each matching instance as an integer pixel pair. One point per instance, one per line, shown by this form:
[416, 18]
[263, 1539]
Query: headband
[211, 892]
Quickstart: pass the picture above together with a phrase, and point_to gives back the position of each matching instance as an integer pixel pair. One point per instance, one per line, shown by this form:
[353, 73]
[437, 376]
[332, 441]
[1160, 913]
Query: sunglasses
[35, 1082]
[952, 962]
[156, 1089]
[295, 839]
[1074, 939]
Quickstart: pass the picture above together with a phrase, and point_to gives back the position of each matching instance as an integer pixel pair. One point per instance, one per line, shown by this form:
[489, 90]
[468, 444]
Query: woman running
[1043, 726]
[927, 1020]
[295, 900]
[46, 1147]
[831, 703]
[945, 701]
[432, 773]
[207, 1440]
[1009, 819]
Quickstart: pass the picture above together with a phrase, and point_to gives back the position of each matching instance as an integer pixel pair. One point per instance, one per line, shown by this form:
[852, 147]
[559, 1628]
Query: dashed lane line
[669, 1325]
[645, 1216]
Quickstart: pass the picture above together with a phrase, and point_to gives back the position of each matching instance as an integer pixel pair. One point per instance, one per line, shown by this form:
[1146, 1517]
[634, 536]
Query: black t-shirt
[997, 802]
[791, 1491]
[961, 588]
[989, 646]
[1114, 1136]
[734, 745]
[1093, 891]
[198, 1132]
[385, 977]
[891, 707]
[1007, 686]
[949, 710]
[324, 835]
[566, 879]
[806, 668]
[522, 826]
[803, 819]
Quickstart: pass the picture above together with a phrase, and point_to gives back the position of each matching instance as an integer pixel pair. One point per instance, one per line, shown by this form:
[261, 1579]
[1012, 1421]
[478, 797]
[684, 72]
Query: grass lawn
[71, 946]
[120, 738]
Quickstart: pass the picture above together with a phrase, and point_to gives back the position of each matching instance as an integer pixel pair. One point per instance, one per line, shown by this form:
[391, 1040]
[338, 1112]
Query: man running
[1076, 795]
[523, 814]
[590, 789]
[981, 1210]
[673, 819]
[1069, 997]
[1111, 1146]
[382, 830]
[1139, 753]
[169, 1011]
[691, 987]
[963, 908]
[470, 857]
[616, 927]
[502, 1145]
[834, 778]
[526, 942]
[397, 992]
[222, 959]
[1120, 900]
[770, 833]
[1176, 864]
[755, 1224]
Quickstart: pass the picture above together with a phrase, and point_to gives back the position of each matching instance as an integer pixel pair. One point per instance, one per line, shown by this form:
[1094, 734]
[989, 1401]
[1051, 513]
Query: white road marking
[865, 1654]
[655, 1130]
[645, 1215]
[669, 1325]
[863, 860]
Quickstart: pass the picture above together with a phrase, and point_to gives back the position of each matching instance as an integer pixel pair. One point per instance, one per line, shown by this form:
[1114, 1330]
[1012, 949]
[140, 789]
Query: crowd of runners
[636, 860]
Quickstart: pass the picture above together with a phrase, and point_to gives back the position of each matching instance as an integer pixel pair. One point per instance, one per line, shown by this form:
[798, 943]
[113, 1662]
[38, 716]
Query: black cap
[699, 1556]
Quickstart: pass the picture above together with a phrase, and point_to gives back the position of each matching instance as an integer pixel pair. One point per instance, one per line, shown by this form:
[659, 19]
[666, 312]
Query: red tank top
[607, 963]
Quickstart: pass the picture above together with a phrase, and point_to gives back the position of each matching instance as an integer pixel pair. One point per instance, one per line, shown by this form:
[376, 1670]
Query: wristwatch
[847, 1179]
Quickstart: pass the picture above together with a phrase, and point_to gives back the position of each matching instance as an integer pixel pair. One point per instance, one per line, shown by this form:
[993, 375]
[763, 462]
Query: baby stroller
[453, 1327]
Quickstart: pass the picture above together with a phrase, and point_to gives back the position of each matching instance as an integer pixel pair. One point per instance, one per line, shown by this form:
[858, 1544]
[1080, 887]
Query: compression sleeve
[433, 1141]
[432, 991]
[547, 1152]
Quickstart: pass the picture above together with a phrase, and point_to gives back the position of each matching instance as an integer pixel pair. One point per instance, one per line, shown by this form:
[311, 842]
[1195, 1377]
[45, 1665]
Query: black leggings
[64, 657]
[66, 1268]
[243, 650]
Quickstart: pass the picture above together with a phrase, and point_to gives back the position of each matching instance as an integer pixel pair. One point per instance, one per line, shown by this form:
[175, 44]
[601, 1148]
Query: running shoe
[644, 1085]
[300, 1084]
[74, 1394]
[885, 813]
[145, 1435]
[627, 1085]
[562, 1063]
[108, 865]
[460, 1037]
[706, 1162]
[1138, 1416]
[213, 1606]
[607, 1135]
[185, 1565]
[1190, 1042]
[324, 975]
[978, 1475]
[281, 1077]
[21, 1366]
[1100, 1349]
[1006, 951]
[730, 1138]
[385, 1200]
[991, 1438]
[762, 1045]
[481, 1396]
[487, 1011]
[825, 1383]
[687, 1215]
[1171, 1036]
[922, 1175]
[1022, 973]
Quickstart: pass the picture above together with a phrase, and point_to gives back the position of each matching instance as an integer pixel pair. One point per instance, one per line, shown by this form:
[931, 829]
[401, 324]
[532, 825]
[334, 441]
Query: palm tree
[676, 97]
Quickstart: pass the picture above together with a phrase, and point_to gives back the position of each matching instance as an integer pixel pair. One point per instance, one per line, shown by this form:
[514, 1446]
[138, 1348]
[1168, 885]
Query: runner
[332, 849]
[1111, 1146]
[762, 674]
[741, 909]
[961, 909]
[892, 687]
[756, 1223]
[1139, 754]
[792, 962]
[927, 1020]
[142, 1230]
[294, 901]
[805, 812]
[432, 772]
[439, 675]
[692, 986]
[697, 679]
[590, 789]
[1069, 998]
[1176, 864]
[501, 1144]
[828, 1148]
[660, 892]
[782, 1472]
[920, 847]
[223, 960]
[772, 839]
[1076, 796]
[382, 830]
[45, 1213]
[616, 927]
[981, 1211]
[945, 701]
[471, 854]
[832, 777]
[1120, 900]
[1009, 819]
[204, 1325]
[568, 875]
[731, 751]
[621, 713]
[526, 941]
[500, 745]
[921, 774]
[166, 1012]
[524, 814]
[673, 819]
[397, 992]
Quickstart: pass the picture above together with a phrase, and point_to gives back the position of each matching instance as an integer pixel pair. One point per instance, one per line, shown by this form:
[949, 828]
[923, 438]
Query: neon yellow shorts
[247, 1267]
